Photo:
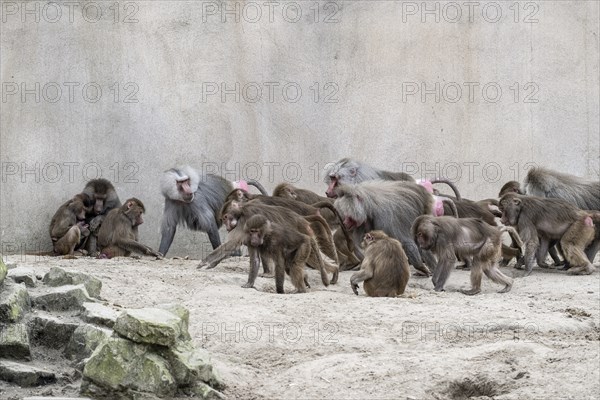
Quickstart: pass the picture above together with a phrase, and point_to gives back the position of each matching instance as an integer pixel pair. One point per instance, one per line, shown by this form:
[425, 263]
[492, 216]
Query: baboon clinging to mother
[68, 225]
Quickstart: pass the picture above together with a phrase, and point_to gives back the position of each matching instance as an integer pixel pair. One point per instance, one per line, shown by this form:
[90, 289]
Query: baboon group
[377, 221]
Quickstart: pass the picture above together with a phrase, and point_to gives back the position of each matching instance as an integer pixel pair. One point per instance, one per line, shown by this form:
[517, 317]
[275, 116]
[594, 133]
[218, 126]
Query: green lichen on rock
[62, 298]
[59, 277]
[182, 313]
[14, 301]
[14, 341]
[149, 325]
[84, 340]
[3, 271]
[189, 365]
[96, 313]
[23, 275]
[205, 392]
[120, 366]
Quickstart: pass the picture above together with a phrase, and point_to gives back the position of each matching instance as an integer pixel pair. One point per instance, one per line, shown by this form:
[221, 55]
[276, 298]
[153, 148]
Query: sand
[540, 341]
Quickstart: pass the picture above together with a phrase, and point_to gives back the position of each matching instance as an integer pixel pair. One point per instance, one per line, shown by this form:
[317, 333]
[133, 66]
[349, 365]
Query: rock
[62, 298]
[149, 325]
[189, 364]
[25, 375]
[14, 342]
[59, 277]
[14, 301]
[55, 398]
[182, 313]
[84, 340]
[3, 270]
[100, 314]
[205, 392]
[120, 365]
[23, 275]
[50, 331]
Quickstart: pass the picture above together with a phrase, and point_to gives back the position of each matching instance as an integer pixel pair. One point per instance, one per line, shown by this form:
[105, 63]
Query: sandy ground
[540, 341]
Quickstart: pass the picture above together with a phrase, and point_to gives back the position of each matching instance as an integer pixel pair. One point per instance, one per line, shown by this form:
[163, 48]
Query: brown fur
[388, 206]
[447, 237]
[540, 221]
[288, 248]
[510, 187]
[104, 199]
[328, 242]
[345, 250]
[580, 192]
[118, 235]
[235, 213]
[65, 229]
[384, 269]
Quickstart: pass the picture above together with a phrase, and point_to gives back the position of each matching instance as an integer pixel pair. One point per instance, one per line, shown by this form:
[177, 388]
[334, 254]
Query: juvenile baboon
[118, 235]
[236, 214]
[581, 193]
[510, 187]
[540, 220]
[194, 201]
[68, 224]
[388, 206]
[105, 199]
[287, 190]
[322, 233]
[288, 248]
[491, 205]
[67, 244]
[345, 251]
[448, 237]
[384, 269]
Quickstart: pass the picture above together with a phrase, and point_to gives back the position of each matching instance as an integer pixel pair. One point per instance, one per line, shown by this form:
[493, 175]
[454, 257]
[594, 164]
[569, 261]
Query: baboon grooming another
[541, 220]
[288, 248]
[384, 269]
[68, 224]
[118, 235]
[194, 201]
[388, 206]
[448, 237]
[104, 198]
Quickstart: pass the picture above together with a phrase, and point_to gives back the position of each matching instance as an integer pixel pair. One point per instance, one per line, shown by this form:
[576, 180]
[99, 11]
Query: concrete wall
[472, 92]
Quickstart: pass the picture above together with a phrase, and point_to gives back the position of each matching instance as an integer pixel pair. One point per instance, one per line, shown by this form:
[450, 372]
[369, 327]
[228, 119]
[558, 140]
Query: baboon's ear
[352, 171]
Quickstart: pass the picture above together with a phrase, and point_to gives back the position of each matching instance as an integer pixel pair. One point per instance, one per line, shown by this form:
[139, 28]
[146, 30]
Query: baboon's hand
[247, 285]
[354, 288]
[95, 223]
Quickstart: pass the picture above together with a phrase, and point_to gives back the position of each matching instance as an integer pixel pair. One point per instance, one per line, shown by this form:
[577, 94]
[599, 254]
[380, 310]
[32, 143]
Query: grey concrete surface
[471, 91]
